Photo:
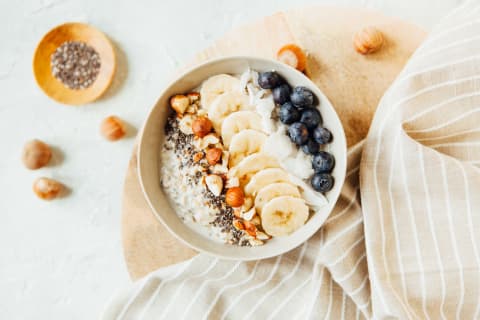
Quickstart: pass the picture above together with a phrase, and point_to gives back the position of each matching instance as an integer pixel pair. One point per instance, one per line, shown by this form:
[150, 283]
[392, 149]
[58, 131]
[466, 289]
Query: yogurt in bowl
[231, 169]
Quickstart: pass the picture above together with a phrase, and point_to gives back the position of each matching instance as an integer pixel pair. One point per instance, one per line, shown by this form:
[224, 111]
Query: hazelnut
[214, 155]
[237, 224]
[368, 40]
[112, 128]
[179, 103]
[185, 125]
[198, 156]
[47, 189]
[193, 97]
[201, 127]
[214, 184]
[292, 55]
[250, 228]
[248, 204]
[36, 154]
[208, 140]
[235, 197]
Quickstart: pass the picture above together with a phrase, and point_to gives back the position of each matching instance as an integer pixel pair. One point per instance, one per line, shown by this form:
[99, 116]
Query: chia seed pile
[182, 146]
[75, 64]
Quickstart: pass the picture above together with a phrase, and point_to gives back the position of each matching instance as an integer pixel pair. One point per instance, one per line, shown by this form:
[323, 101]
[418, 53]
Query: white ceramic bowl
[152, 138]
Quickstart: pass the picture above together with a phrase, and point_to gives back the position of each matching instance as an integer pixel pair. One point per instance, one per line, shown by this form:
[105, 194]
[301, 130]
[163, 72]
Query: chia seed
[75, 64]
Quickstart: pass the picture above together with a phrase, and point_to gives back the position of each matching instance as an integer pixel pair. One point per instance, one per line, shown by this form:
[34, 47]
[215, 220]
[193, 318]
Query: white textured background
[63, 259]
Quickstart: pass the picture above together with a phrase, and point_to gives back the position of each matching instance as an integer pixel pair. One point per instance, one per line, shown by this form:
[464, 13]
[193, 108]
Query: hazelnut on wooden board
[368, 40]
[235, 197]
[112, 128]
[46, 188]
[201, 127]
[36, 154]
[292, 55]
[214, 155]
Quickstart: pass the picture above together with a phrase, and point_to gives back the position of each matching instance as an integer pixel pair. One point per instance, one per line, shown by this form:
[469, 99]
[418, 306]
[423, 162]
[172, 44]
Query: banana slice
[264, 178]
[238, 121]
[226, 104]
[251, 165]
[275, 190]
[245, 143]
[283, 215]
[215, 86]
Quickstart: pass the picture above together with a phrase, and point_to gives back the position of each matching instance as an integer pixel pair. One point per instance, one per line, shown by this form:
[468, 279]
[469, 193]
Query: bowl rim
[171, 82]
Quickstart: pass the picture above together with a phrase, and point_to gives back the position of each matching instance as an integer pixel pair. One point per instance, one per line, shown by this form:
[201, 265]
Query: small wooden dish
[73, 32]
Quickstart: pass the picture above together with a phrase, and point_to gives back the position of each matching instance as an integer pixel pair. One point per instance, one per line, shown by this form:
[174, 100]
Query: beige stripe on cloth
[409, 251]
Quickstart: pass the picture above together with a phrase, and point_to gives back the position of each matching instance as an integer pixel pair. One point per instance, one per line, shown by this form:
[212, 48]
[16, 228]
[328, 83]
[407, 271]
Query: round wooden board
[353, 83]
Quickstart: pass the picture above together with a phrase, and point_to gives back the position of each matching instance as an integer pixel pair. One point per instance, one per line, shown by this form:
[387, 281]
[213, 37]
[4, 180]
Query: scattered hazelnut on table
[292, 55]
[36, 154]
[179, 103]
[46, 188]
[214, 155]
[235, 197]
[368, 40]
[112, 128]
[201, 127]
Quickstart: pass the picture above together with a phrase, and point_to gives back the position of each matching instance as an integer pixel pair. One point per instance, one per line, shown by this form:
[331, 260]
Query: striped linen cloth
[403, 240]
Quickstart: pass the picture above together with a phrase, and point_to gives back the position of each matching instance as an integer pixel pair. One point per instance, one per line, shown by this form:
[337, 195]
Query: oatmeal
[242, 158]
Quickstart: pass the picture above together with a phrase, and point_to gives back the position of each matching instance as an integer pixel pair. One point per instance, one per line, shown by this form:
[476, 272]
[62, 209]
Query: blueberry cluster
[297, 110]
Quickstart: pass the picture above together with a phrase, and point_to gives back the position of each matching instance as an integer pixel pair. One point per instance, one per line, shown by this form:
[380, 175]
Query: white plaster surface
[63, 259]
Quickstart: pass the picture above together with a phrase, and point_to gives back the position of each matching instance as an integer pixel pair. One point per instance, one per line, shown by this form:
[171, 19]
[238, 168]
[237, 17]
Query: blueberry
[311, 117]
[269, 80]
[288, 113]
[322, 135]
[298, 133]
[323, 162]
[311, 147]
[322, 182]
[302, 97]
[281, 94]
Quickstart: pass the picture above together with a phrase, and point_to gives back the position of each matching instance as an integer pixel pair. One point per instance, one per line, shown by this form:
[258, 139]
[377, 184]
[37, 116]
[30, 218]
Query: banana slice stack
[277, 201]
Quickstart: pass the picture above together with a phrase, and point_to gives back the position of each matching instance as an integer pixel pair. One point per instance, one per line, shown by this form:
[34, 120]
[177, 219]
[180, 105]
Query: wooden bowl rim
[76, 97]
